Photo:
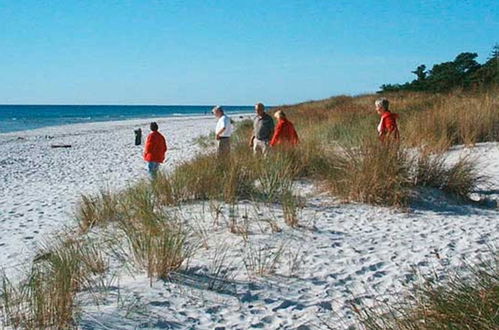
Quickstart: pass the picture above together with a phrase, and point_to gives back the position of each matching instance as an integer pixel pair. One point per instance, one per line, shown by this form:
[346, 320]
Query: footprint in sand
[325, 305]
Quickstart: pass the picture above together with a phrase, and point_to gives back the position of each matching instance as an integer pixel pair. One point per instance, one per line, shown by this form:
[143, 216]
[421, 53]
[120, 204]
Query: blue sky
[227, 52]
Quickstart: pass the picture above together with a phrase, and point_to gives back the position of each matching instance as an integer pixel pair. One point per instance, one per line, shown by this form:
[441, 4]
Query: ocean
[24, 117]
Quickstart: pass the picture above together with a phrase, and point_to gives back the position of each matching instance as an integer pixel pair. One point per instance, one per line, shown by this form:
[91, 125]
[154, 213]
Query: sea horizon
[21, 117]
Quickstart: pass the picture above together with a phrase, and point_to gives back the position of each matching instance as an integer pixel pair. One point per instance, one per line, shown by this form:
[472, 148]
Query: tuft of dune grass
[469, 300]
[46, 298]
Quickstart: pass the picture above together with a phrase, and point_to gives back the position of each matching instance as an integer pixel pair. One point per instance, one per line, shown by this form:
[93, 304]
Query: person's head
[382, 105]
[280, 114]
[260, 109]
[218, 111]
[154, 126]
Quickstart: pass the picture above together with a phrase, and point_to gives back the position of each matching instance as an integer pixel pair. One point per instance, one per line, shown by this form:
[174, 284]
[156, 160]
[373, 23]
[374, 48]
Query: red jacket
[284, 133]
[388, 125]
[155, 148]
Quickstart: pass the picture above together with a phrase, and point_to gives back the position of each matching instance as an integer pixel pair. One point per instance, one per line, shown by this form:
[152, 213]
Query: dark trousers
[223, 146]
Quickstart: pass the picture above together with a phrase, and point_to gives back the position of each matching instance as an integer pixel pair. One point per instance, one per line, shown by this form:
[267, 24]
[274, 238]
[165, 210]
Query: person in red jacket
[387, 127]
[284, 133]
[155, 149]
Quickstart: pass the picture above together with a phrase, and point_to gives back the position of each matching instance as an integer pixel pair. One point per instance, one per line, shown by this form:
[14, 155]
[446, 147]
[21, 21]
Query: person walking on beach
[263, 129]
[387, 127]
[285, 133]
[223, 131]
[155, 149]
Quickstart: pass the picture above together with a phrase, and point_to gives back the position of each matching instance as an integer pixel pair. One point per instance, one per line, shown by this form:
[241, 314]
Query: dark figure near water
[138, 137]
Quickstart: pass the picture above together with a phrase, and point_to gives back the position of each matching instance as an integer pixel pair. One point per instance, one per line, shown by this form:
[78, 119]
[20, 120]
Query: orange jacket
[155, 148]
[388, 126]
[284, 133]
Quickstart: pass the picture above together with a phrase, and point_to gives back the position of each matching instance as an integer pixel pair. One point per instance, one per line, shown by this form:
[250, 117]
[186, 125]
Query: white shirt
[222, 122]
[380, 125]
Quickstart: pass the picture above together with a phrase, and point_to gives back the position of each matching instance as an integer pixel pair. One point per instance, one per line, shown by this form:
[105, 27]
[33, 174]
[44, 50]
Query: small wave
[13, 118]
[188, 114]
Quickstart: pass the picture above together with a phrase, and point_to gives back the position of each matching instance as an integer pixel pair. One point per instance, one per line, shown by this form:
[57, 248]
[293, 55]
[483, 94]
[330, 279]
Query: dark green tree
[488, 74]
[420, 72]
[463, 72]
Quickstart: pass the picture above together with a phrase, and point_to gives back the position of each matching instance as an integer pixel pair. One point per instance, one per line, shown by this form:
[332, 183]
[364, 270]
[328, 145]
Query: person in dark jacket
[155, 149]
[263, 129]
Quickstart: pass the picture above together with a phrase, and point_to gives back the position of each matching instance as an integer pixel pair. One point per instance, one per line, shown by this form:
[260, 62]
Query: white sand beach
[343, 252]
[40, 185]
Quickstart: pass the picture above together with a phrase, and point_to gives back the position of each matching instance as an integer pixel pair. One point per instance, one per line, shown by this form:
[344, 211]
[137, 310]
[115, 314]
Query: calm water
[23, 117]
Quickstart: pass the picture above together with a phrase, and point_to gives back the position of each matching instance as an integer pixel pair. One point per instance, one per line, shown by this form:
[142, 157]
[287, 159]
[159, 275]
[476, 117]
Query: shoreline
[89, 126]
[350, 250]
[41, 185]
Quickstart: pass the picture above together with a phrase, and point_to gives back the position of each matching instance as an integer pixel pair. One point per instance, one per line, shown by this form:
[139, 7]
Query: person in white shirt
[223, 130]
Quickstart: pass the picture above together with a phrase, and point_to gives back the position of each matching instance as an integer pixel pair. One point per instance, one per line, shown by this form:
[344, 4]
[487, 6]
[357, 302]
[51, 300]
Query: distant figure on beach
[387, 127]
[155, 149]
[263, 129]
[285, 133]
[223, 130]
[138, 136]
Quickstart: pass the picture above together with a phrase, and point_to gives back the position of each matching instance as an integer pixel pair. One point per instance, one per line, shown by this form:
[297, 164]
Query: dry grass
[46, 299]
[262, 259]
[462, 302]
[372, 173]
[387, 174]
[290, 206]
[159, 250]
[155, 237]
[337, 148]
[459, 180]
[434, 120]
[94, 210]
[456, 119]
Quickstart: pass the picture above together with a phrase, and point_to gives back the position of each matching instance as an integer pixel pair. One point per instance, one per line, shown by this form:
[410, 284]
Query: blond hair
[280, 114]
[382, 103]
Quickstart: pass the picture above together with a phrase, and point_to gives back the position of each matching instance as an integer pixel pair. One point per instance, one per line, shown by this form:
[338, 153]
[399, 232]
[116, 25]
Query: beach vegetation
[463, 72]
[159, 248]
[46, 298]
[262, 259]
[466, 300]
[93, 210]
[338, 151]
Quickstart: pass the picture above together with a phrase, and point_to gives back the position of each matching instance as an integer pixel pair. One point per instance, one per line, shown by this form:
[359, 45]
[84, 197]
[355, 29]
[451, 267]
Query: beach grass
[338, 151]
[99, 209]
[158, 249]
[467, 300]
[46, 298]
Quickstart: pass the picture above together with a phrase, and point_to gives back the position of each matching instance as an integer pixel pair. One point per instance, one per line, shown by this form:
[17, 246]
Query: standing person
[155, 149]
[138, 137]
[285, 133]
[263, 129]
[387, 127]
[223, 130]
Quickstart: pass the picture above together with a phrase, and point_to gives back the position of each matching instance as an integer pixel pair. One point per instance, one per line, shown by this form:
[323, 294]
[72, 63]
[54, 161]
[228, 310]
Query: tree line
[463, 72]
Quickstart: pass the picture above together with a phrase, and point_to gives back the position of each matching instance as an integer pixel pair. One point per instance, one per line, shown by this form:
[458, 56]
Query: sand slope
[342, 254]
[39, 185]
